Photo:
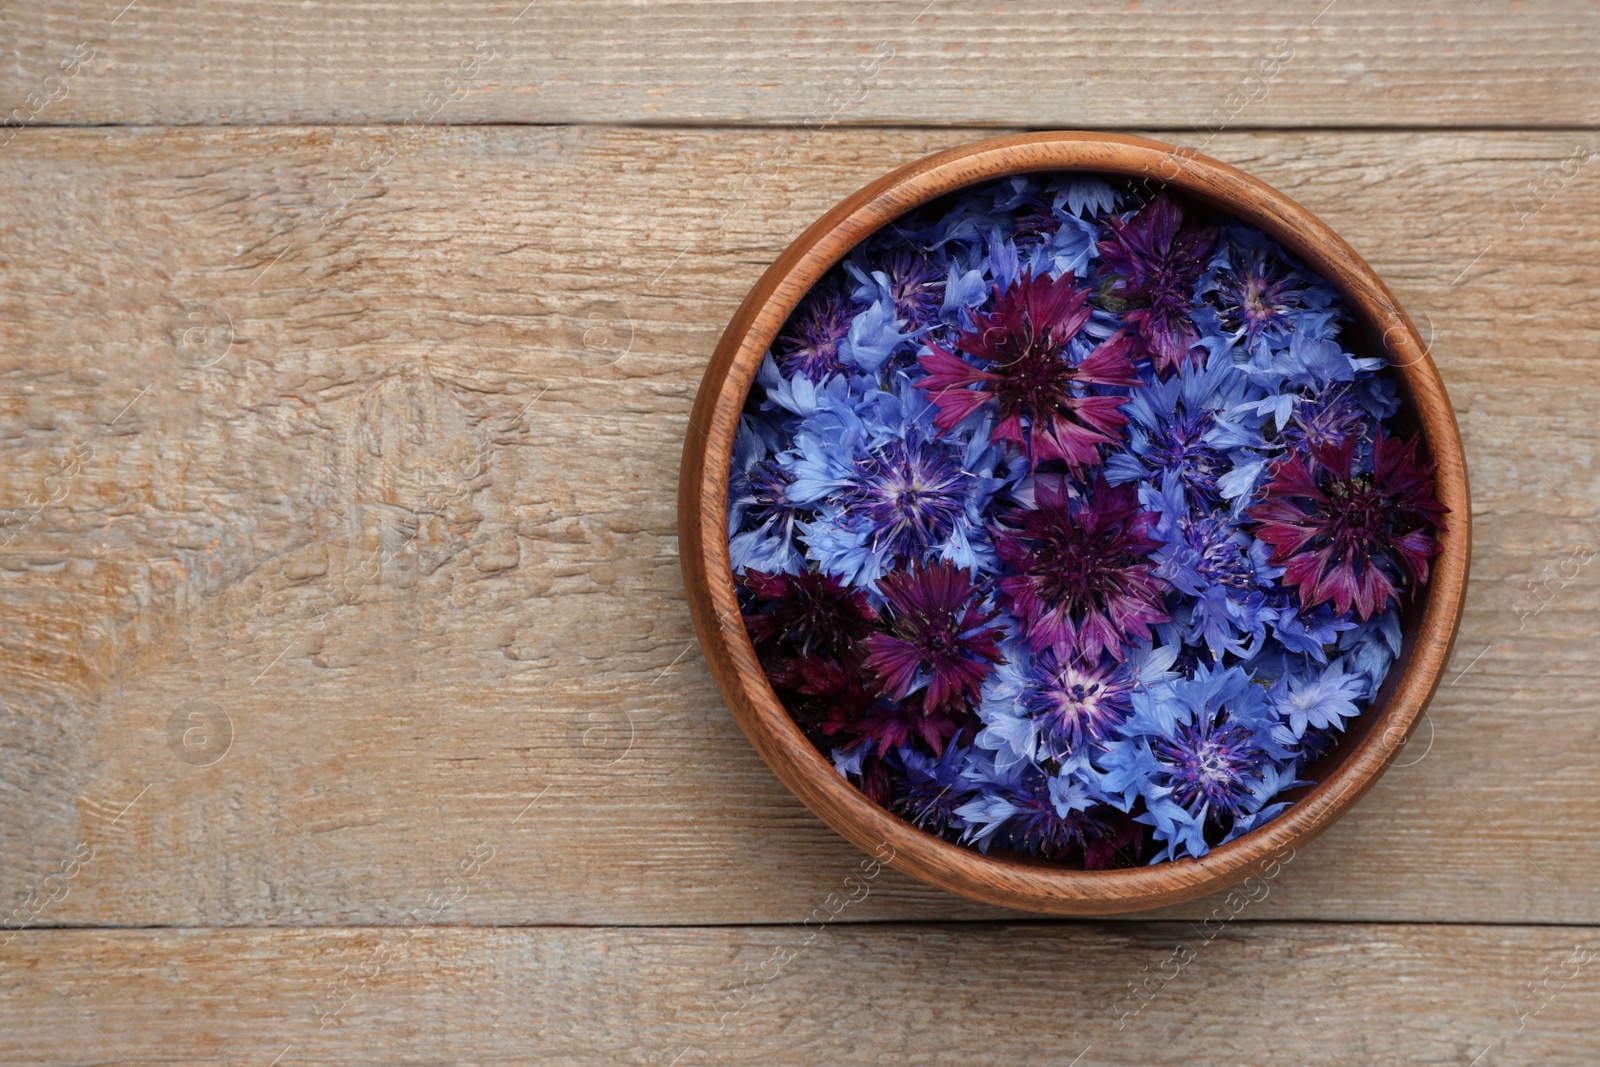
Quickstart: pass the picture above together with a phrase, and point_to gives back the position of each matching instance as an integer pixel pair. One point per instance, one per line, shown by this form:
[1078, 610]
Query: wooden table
[351, 711]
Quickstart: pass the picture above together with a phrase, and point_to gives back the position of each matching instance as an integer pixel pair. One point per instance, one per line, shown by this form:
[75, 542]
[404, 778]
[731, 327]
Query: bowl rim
[708, 576]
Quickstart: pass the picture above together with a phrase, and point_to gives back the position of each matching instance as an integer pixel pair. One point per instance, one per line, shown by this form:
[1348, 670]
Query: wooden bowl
[1017, 881]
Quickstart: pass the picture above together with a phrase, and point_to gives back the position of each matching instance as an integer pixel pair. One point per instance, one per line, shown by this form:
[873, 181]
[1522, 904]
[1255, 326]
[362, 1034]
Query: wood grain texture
[1102, 63]
[1274, 993]
[1380, 329]
[413, 531]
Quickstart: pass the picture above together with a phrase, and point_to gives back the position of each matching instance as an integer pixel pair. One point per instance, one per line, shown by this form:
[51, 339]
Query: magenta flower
[1346, 537]
[1083, 582]
[935, 633]
[1023, 365]
[1157, 256]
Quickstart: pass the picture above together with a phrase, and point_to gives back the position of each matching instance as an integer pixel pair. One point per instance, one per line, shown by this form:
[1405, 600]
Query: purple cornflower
[1155, 257]
[1347, 537]
[1182, 449]
[911, 493]
[935, 634]
[1323, 420]
[1070, 704]
[1031, 811]
[809, 342]
[1023, 366]
[1212, 766]
[914, 287]
[807, 613]
[1257, 293]
[1082, 580]
[769, 500]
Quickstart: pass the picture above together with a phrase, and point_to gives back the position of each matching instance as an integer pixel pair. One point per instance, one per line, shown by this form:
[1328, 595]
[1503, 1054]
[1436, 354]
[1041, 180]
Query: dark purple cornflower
[915, 287]
[876, 779]
[1212, 765]
[1347, 537]
[806, 613]
[1023, 365]
[1073, 704]
[1256, 294]
[893, 723]
[1083, 582]
[809, 342]
[1156, 256]
[935, 633]
[1035, 220]
[911, 493]
[1119, 844]
[828, 696]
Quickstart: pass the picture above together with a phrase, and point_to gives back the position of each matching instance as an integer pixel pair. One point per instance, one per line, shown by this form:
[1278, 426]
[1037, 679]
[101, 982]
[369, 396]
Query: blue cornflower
[762, 520]
[1040, 707]
[1068, 247]
[1371, 650]
[1261, 295]
[889, 490]
[808, 344]
[1275, 781]
[1172, 427]
[1083, 195]
[1213, 768]
[1324, 419]
[797, 395]
[1224, 570]
[874, 335]
[1023, 807]
[1307, 362]
[934, 787]
[1323, 699]
[1197, 750]
[966, 289]
[904, 280]
[1309, 632]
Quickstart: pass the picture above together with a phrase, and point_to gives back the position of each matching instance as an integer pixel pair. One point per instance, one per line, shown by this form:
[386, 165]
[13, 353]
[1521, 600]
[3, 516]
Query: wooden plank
[1236, 992]
[408, 543]
[1170, 63]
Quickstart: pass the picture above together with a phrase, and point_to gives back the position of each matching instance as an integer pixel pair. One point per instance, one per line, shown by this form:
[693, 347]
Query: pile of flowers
[1064, 521]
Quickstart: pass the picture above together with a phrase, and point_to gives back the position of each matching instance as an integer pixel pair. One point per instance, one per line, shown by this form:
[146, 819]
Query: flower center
[1359, 512]
[1209, 765]
[1185, 452]
[912, 495]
